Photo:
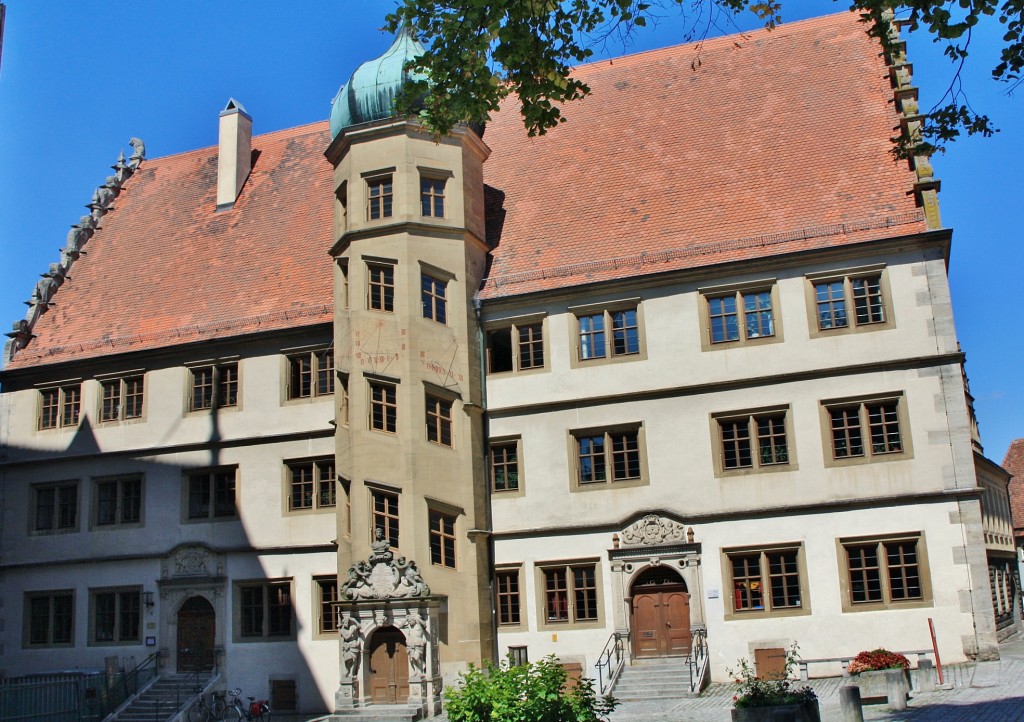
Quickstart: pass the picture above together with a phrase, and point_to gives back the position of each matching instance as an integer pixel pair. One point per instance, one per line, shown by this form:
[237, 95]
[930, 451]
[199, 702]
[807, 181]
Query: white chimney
[235, 153]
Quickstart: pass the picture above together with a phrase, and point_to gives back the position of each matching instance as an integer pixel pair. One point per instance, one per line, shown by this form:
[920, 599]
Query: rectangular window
[432, 197]
[116, 616]
[505, 465]
[439, 420]
[49, 618]
[380, 287]
[383, 407]
[265, 610]
[509, 603]
[834, 297]
[765, 580]
[60, 406]
[432, 294]
[518, 347]
[211, 494]
[121, 398]
[118, 501]
[327, 596]
[379, 196]
[608, 456]
[311, 374]
[442, 539]
[570, 593]
[607, 334]
[384, 516]
[343, 382]
[865, 429]
[312, 484]
[884, 572]
[56, 507]
[214, 386]
[740, 316]
[753, 441]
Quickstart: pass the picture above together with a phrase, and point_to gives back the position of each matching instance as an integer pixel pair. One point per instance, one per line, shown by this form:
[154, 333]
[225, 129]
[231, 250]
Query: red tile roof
[167, 268]
[778, 142]
[1014, 463]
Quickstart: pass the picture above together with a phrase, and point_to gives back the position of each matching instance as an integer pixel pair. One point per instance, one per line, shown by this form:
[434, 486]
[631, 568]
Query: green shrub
[537, 692]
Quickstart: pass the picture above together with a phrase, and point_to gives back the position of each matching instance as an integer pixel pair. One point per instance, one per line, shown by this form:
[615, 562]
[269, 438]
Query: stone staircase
[649, 679]
[165, 698]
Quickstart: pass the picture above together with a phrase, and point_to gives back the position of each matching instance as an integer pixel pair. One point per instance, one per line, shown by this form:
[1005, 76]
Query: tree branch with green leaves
[479, 52]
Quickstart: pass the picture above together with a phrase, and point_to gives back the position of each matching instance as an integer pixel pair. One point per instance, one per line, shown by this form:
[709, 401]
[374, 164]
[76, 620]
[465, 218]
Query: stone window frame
[506, 442]
[382, 202]
[608, 432]
[861, 402]
[224, 385]
[845, 276]
[121, 502]
[439, 415]
[323, 474]
[309, 373]
[846, 585]
[325, 621]
[51, 595]
[514, 572]
[444, 536]
[381, 407]
[762, 551]
[58, 522]
[606, 310]
[59, 405]
[116, 392]
[573, 621]
[120, 594]
[739, 291]
[388, 513]
[267, 588]
[381, 291]
[516, 326]
[430, 196]
[752, 416]
[211, 516]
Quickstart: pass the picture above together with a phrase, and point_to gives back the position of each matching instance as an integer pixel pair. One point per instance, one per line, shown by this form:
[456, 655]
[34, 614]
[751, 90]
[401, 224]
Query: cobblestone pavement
[983, 692]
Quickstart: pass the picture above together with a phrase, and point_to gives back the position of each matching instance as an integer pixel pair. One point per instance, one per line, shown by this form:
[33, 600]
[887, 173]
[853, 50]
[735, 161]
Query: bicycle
[257, 711]
[212, 711]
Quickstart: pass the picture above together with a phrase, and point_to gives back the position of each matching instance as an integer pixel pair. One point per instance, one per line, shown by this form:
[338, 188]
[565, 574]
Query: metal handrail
[697, 659]
[610, 661]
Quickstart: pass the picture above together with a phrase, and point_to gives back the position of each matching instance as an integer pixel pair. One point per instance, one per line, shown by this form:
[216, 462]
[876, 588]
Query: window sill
[850, 608]
[609, 485]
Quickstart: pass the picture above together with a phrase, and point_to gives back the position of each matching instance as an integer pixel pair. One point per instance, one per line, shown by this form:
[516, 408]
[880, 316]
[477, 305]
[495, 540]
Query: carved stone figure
[114, 184]
[653, 529]
[381, 548]
[138, 155]
[416, 641]
[46, 286]
[384, 578]
[351, 644]
[410, 583]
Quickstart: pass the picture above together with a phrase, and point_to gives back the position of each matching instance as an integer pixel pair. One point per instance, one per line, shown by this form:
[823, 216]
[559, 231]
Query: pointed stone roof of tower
[370, 92]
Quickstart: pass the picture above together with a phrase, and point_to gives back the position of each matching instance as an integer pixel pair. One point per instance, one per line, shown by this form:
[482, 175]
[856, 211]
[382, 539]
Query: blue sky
[78, 79]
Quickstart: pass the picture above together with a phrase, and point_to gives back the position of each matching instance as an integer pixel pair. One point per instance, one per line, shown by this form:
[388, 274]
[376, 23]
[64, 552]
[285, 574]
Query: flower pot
[874, 686]
[803, 712]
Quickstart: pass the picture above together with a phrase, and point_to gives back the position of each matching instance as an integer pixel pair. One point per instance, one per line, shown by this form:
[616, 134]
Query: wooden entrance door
[197, 627]
[389, 667]
[661, 614]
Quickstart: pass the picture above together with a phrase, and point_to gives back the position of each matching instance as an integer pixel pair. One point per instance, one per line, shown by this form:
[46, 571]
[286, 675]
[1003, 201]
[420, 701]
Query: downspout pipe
[482, 350]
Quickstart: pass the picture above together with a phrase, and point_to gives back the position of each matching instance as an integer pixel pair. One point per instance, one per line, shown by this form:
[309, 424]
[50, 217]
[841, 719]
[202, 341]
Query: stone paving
[983, 692]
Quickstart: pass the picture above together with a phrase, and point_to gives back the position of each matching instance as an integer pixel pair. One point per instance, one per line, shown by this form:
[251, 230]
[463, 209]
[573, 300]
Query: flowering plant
[754, 692]
[878, 659]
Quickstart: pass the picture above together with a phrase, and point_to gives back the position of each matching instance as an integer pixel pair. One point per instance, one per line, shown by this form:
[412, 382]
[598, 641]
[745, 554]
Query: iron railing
[59, 697]
[610, 661]
[697, 660]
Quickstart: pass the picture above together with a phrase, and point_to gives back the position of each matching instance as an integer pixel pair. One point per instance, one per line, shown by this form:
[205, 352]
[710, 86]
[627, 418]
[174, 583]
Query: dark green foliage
[537, 692]
[754, 692]
[481, 51]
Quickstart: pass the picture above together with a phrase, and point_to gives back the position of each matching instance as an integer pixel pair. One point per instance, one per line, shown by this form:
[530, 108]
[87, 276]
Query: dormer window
[379, 197]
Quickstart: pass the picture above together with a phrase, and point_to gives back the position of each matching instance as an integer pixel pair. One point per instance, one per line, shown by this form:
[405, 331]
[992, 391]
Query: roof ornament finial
[50, 282]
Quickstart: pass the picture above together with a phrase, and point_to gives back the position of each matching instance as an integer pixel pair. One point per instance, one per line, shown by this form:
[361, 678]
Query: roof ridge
[267, 135]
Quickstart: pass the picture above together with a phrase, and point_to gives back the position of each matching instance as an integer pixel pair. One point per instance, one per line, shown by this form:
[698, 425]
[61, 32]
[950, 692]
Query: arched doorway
[389, 667]
[197, 627]
[660, 614]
